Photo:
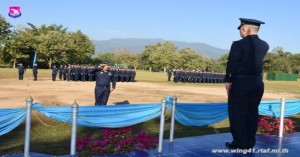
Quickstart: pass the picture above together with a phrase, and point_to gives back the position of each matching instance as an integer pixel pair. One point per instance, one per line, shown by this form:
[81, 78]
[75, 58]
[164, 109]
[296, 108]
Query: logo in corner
[14, 11]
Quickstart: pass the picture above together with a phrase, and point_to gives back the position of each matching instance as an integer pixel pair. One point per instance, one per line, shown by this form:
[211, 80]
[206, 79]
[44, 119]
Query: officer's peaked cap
[105, 62]
[250, 22]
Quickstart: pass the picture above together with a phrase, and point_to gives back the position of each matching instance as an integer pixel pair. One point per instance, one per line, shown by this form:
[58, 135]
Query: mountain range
[137, 45]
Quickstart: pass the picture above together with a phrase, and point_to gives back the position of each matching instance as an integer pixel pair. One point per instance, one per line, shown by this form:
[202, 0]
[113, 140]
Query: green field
[52, 137]
[160, 77]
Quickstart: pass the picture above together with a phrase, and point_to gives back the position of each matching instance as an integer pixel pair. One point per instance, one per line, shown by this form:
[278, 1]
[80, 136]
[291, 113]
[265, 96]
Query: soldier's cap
[250, 22]
[105, 62]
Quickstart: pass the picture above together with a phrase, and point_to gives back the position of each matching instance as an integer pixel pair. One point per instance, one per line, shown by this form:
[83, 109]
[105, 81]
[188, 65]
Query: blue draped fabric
[272, 108]
[10, 119]
[104, 116]
[190, 114]
[200, 114]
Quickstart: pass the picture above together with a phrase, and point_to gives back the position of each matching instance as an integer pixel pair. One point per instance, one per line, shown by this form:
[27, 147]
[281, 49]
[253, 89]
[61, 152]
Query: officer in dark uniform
[60, 71]
[69, 73]
[76, 72]
[90, 74]
[133, 76]
[200, 77]
[122, 75]
[169, 71]
[103, 80]
[21, 71]
[184, 76]
[126, 75]
[54, 73]
[35, 72]
[204, 77]
[130, 73]
[83, 73]
[244, 84]
[116, 73]
[65, 71]
[177, 74]
[72, 75]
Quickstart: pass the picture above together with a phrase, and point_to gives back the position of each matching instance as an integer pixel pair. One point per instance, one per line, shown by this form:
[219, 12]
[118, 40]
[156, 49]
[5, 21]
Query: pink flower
[116, 140]
[270, 125]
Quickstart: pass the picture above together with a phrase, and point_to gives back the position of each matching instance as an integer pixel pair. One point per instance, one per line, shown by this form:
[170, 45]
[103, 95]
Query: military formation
[196, 76]
[84, 73]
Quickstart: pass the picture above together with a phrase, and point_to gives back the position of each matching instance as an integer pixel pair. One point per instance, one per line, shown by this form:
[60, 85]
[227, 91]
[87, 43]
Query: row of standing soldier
[195, 76]
[83, 73]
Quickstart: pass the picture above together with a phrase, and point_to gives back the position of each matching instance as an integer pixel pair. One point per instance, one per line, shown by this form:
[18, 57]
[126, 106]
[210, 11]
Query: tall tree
[80, 48]
[20, 47]
[123, 56]
[53, 43]
[191, 60]
[52, 48]
[280, 61]
[158, 56]
[4, 30]
[5, 33]
[109, 56]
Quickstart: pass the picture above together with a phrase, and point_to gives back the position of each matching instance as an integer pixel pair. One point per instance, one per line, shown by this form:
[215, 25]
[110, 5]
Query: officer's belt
[107, 86]
[251, 76]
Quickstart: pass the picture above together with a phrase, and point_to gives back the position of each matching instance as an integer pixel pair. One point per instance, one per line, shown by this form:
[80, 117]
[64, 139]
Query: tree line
[54, 44]
[57, 46]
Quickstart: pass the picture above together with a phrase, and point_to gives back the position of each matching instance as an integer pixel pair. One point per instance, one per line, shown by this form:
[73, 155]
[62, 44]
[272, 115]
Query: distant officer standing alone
[244, 84]
[103, 80]
[35, 72]
[21, 71]
[169, 72]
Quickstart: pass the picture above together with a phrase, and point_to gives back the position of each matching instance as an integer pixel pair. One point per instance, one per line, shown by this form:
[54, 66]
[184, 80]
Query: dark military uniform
[76, 72]
[133, 76]
[65, 71]
[69, 73]
[121, 75]
[83, 73]
[102, 89]
[184, 76]
[35, 72]
[54, 73]
[91, 75]
[244, 69]
[60, 70]
[178, 75]
[169, 71]
[21, 71]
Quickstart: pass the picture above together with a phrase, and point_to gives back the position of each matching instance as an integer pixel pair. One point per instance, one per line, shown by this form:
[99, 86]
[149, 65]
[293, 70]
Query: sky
[213, 22]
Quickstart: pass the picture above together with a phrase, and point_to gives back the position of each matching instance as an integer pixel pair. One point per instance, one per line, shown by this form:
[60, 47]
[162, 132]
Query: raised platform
[203, 146]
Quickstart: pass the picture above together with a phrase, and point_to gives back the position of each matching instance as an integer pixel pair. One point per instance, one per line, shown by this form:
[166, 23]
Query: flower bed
[270, 125]
[115, 141]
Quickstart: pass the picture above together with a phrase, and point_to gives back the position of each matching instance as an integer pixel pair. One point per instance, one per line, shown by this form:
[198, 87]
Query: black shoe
[230, 145]
[233, 146]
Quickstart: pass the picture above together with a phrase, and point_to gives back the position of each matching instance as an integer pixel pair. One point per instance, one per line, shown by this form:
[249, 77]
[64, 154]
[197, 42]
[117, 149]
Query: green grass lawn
[52, 137]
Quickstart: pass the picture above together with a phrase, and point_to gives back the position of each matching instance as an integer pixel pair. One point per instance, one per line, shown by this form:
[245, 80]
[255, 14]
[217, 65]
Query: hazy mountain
[135, 45]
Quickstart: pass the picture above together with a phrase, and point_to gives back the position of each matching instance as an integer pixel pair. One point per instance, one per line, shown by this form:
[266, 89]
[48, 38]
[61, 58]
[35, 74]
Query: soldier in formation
[83, 73]
[197, 76]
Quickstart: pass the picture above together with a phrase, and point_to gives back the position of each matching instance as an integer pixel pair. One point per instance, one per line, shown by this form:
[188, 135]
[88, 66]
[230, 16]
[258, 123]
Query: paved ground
[14, 92]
